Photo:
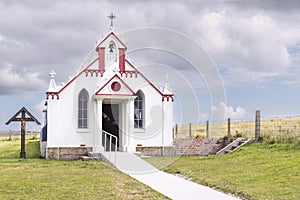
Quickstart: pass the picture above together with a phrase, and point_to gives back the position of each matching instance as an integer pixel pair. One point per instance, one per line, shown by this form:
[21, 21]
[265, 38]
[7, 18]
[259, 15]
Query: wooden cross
[23, 119]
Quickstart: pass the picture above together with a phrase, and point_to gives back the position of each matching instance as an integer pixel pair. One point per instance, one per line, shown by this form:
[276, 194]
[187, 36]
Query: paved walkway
[167, 184]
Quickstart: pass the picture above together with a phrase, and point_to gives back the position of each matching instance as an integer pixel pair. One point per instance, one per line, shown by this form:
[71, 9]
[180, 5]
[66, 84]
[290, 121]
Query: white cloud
[38, 108]
[222, 111]
[12, 82]
[254, 42]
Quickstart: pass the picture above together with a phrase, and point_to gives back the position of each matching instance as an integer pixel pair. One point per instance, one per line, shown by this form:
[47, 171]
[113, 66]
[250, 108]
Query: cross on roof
[112, 17]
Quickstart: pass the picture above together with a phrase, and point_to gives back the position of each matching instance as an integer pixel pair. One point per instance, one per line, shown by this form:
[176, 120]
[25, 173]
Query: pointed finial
[167, 78]
[166, 88]
[52, 74]
[52, 84]
[112, 17]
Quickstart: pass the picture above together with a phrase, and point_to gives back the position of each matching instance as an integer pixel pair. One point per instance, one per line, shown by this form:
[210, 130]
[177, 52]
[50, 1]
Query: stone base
[66, 153]
[155, 151]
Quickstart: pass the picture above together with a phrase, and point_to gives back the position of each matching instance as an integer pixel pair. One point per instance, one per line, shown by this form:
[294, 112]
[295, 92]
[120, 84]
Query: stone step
[94, 155]
[227, 151]
[86, 158]
[139, 154]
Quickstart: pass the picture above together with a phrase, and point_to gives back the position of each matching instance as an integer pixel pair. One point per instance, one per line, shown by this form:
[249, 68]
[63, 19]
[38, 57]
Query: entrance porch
[114, 116]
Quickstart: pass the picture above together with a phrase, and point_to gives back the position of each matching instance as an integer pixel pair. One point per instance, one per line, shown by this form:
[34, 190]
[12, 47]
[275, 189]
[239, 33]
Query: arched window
[83, 99]
[139, 110]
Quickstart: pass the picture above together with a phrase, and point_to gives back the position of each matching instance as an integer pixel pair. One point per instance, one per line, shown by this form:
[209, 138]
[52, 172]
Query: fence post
[10, 135]
[257, 125]
[176, 130]
[207, 129]
[228, 128]
[190, 130]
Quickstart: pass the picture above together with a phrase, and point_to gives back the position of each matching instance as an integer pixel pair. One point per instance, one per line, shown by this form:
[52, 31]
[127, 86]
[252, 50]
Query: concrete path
[167, 184]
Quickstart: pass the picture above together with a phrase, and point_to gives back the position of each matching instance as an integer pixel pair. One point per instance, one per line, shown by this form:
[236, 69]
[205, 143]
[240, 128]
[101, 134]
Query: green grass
[35, 178]
[255, 171]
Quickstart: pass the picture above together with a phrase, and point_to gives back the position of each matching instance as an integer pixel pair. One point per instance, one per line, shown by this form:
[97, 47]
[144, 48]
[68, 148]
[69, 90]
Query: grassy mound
[255, 171]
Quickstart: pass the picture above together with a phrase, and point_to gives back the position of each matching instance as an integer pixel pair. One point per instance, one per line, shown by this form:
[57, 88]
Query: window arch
[139, 104]
[83, 99]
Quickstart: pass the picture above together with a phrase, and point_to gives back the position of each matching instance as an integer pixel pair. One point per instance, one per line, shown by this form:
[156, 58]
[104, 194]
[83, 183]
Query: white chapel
[109, 104]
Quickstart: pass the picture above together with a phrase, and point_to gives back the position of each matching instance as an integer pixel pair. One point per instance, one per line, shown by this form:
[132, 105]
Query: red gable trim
[123, 95]
[111, 33]
[52, 94]
[164, 96]
[145, 78]
[77, 75]
[116, 76]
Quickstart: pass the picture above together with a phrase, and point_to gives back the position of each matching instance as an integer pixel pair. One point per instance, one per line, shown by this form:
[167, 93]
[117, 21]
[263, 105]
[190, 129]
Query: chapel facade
[108, 96]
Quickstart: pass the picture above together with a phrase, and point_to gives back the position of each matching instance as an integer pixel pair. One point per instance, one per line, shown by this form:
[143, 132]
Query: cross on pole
[112, 17]
[23, 119]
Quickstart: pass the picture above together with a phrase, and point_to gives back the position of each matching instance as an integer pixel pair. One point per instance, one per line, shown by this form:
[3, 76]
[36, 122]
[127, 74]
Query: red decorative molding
[129, 72]
[168, 97]
[94, 71]
[52, 94]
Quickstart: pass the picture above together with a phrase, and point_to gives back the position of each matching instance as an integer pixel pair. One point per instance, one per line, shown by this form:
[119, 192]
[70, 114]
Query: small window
[139, 110]
[111, 53]
[83, 99]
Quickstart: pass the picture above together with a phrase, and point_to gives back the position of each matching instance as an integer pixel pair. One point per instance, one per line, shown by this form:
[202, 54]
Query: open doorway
[110, 121]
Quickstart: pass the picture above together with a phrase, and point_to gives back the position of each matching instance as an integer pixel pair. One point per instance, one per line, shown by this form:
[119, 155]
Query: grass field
[285, 129]
[255, 171]
[36, 178]
[6, 135]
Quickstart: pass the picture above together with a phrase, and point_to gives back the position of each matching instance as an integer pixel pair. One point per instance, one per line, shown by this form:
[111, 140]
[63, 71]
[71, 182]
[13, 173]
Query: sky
[253, 45]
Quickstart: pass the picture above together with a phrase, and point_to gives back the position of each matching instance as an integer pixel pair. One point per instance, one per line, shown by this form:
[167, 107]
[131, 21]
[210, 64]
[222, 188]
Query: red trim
[130, 95]
[168, 96]
[145, 78]
[94, 71]
[77, 75]
[52, 94]
[116, 76]
[130, 72]
[111, 33]
[101, 56]
[122, 59]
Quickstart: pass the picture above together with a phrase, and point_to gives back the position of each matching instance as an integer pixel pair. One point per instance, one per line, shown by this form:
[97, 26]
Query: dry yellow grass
[275, 127]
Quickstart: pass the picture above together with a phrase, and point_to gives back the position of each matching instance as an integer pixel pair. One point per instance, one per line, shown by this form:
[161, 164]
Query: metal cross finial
[112, 17]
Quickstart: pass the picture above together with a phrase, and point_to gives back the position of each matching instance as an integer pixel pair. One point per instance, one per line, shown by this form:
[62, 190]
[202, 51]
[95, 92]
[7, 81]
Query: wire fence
[285, 129]
[11, 135]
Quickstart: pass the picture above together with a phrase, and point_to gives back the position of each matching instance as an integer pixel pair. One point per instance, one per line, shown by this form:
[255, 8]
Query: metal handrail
[110, 143]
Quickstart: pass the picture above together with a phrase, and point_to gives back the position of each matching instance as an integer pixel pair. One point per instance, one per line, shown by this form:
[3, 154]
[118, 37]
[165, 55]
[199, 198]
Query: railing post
[257, 125]
[116, 151]
[207, 129]
[104, 141]
[176, 130]
[110, 142]
[228, 131]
